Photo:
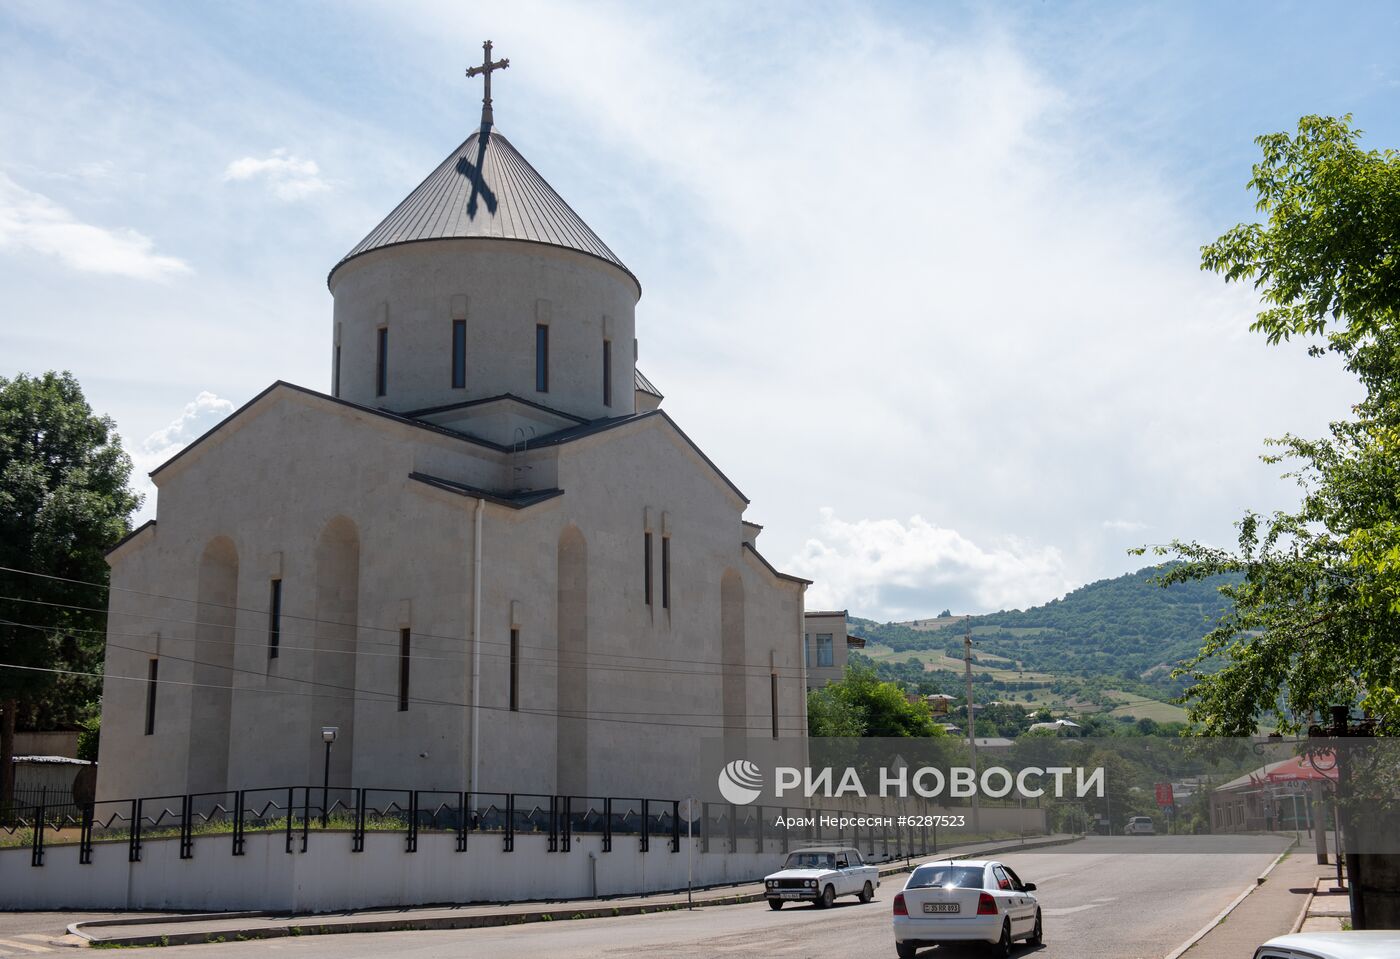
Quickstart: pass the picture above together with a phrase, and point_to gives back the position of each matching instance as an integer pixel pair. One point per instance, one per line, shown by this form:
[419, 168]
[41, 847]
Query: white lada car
[970, 900]
[819, 874]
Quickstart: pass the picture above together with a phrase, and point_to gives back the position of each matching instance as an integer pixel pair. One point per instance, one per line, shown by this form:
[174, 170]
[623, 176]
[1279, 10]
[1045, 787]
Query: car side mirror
[1028, 886]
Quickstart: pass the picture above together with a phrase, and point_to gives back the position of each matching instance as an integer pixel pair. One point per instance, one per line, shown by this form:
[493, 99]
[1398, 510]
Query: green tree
[1316, 619]
[861, 705]
[64, 501]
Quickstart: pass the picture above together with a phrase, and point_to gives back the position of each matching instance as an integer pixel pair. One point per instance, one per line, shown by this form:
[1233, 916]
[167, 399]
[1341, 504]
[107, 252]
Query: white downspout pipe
[476, 647]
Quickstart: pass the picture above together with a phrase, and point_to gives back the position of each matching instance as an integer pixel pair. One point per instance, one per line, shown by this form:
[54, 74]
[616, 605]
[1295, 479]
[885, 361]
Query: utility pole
[971, 720]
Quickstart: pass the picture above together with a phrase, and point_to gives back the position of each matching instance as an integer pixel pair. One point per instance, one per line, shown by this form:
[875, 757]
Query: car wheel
[868, 893]
[905, 950]
[775, 904]
[1037, 937]
[1002, 947]
[827, 897]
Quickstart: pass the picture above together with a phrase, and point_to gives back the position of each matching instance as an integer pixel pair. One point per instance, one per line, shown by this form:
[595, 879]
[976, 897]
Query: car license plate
[941, 907]
[792, 895]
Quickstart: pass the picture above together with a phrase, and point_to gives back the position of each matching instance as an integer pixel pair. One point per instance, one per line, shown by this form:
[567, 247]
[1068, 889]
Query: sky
[923, 279]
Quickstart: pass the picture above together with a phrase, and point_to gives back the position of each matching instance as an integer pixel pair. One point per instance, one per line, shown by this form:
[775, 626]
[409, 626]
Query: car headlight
[811, 882]
[771, 883]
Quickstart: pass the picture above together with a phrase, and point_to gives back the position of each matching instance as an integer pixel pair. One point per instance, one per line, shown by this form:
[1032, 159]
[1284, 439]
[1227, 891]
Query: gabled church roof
[485, 188]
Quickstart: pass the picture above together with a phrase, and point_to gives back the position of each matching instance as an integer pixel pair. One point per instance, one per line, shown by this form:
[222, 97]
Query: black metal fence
[295, 811]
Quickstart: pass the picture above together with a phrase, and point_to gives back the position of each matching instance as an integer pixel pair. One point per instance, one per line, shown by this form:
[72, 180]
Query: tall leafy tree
[64, 500]
[1316, 619]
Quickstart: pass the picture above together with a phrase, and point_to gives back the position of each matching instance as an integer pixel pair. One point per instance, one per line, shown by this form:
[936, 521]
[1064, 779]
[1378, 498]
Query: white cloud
[889, 569]
[31, 221]
[289, 177]
[199, 416]
[1123, 525]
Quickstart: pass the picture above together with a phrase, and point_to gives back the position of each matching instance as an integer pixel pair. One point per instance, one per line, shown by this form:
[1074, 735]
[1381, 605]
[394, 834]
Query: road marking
[23, 946]
[1071, 910]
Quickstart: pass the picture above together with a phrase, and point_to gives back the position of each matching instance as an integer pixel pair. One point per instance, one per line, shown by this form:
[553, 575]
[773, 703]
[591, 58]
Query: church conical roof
[485, 188]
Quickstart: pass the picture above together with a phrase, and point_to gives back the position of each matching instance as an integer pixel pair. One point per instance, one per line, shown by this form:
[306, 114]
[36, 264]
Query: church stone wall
[502, 290]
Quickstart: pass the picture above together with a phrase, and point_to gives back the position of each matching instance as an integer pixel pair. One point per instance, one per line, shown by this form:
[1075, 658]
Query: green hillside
[1113, 641]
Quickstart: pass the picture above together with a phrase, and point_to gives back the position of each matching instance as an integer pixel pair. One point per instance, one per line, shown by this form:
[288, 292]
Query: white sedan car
[1360, 944]
[819, 874]
[970, 900]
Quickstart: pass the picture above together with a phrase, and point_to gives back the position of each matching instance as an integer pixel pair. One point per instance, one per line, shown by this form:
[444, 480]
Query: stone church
[487, 558]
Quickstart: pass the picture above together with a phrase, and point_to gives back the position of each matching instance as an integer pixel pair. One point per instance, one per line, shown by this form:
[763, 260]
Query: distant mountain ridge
[1128, 626]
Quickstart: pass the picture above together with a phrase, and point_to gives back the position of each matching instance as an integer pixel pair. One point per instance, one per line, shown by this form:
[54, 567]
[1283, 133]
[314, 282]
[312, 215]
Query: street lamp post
[328, 734]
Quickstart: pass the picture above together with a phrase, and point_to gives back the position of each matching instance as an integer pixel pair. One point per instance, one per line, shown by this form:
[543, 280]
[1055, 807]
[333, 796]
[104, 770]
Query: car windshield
[811, 860]
[960, 877]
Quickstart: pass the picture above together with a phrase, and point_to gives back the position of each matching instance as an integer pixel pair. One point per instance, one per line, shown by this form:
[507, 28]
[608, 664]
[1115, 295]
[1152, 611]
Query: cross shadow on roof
[473, 172]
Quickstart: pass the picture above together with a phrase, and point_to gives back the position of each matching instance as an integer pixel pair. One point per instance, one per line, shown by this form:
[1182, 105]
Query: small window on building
[665, 572]
[646, 558]
[515, 670]
[152, 683]
[607, 372]
[405, 648]
[541, 358]
[459, 354]
[274, 619]
[824, 653]
[381, 363]
[773, 699]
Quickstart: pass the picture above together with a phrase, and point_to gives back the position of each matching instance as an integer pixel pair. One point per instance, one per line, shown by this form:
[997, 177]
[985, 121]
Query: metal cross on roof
[485, 70]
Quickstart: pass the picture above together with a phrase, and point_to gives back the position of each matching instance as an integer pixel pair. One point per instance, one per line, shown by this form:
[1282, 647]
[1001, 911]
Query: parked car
[969, 900]
[819, 875]
[1361, 944]
[1140, 826]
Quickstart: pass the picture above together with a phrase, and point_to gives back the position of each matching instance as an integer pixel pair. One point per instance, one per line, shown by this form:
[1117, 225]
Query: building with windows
[487, 557]
[826, 642]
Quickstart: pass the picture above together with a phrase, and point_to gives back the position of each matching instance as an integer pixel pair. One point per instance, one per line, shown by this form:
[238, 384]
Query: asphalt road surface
[1105, 905]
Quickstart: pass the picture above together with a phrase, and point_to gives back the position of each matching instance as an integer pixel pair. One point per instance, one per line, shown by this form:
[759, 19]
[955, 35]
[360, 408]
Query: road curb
[1234, 903]
[557, 912]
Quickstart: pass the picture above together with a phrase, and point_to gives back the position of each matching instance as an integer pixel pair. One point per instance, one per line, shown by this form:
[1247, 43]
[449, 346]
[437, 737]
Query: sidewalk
[1272, 908]
[216, 927]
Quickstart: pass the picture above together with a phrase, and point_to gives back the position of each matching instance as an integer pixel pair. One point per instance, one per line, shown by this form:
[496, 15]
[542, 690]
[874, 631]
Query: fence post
[568, 830]
[238, 823]
[186, 827]
[291, 805]
[36, 850]
[783, 812]
[758, 827]
[357, 839]
[85, 836]
[733, 828]
[607, 824]
[462, 822]
[676, 825]
[133, 848]
[305, 814]
[553, 823]
[412, 842]
[509, 838]
[646, 826]
[704, 827]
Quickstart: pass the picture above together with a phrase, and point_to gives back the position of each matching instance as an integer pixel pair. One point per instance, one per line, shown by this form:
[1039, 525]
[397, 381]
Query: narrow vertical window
[274, 620]
[515, 670]
[459, 354]
[646, 576]
[152, 670]
[405, 643]
[607, 372]
[335, 373]
[665, 572]
[381, 366]
[773, 698]
[824, 650]
[541, 358]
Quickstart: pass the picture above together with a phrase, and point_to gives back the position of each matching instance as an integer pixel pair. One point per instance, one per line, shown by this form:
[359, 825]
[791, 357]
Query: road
[1106, 905]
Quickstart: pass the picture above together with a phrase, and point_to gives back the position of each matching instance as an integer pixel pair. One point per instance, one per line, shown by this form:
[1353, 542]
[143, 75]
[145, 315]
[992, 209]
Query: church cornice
[512, 500]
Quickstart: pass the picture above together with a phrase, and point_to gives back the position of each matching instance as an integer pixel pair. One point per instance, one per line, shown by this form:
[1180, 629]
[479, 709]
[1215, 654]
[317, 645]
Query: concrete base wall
[331, 877]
